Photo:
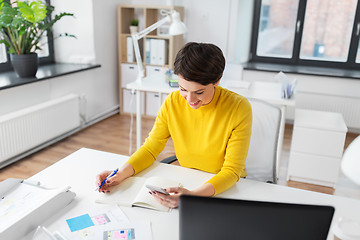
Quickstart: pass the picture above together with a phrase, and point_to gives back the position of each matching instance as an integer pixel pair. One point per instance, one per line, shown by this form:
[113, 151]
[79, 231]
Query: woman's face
[195, 94]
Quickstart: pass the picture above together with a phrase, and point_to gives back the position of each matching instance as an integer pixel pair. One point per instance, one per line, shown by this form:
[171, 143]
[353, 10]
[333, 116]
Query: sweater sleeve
[154, 143]
[236, 150]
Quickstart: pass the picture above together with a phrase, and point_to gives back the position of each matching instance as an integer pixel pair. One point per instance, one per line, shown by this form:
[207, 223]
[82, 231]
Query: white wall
[82, 49]
[207, 21]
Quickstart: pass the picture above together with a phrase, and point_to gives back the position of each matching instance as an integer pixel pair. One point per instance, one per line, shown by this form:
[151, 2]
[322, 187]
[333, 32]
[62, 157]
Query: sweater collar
[213, 101]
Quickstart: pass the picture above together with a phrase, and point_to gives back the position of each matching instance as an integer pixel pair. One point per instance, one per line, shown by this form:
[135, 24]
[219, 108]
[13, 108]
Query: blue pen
[104, 181]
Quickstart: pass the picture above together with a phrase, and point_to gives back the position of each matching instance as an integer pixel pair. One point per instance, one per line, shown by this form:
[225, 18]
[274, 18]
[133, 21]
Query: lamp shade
[177, 27]
[351, 161]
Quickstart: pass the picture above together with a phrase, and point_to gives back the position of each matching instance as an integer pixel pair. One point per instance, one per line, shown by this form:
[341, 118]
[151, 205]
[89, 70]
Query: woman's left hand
[171, 200]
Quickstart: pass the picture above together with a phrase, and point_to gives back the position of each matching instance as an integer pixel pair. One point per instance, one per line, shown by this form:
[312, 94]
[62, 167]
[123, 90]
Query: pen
[103, 182]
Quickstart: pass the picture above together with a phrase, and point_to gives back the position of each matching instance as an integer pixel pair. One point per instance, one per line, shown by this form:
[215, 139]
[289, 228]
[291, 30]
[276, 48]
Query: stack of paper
[288, 85]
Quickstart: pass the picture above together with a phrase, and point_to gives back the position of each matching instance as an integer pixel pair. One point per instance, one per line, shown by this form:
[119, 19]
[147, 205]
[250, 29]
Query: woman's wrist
[126, 171]
[205, 190]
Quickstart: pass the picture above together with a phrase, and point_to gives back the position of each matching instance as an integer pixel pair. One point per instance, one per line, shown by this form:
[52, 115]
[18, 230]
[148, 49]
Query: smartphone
[157, 189]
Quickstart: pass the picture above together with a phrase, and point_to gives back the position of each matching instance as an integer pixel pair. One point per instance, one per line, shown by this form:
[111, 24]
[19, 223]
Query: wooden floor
[112, 135]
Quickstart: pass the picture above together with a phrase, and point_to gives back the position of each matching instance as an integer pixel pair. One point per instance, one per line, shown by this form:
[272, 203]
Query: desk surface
[80, 168]
[267, 91]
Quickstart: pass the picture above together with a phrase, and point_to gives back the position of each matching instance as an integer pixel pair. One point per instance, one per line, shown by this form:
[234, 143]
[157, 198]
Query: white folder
[147, 50]
[161, 52]
[25, 205]
[129, 50]
[153, 51]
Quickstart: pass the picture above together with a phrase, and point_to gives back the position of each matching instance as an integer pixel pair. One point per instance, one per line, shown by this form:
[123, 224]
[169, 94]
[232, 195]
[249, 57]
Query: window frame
[6, 66]
[295, 60]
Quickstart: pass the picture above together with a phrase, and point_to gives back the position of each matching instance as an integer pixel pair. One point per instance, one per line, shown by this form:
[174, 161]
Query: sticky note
[80, 222]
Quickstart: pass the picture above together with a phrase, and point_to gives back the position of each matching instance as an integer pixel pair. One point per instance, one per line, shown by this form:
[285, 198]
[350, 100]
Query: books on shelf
[156, 49]
[134, 193]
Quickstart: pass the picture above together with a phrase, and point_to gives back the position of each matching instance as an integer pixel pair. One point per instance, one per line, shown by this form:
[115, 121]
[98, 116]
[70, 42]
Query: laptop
[218, 218]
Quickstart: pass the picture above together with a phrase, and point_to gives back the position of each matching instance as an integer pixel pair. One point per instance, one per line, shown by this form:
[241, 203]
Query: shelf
[147, 15]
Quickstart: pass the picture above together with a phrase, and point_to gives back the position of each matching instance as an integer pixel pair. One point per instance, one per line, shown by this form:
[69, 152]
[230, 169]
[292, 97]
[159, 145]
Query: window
[46, 54]
[321, 33]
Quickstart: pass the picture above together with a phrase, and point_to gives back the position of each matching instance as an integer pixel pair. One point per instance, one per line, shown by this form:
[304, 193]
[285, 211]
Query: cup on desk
[346, 229]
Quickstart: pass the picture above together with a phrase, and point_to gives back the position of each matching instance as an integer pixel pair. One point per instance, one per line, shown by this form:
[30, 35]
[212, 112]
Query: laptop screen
[218, 218]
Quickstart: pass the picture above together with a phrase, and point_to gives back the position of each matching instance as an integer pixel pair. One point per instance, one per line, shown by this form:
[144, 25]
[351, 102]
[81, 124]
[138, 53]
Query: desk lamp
[176, 28]
[350, 164]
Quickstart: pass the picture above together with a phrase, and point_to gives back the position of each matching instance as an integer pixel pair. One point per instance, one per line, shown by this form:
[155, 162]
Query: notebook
[133, 193]
[218, 218]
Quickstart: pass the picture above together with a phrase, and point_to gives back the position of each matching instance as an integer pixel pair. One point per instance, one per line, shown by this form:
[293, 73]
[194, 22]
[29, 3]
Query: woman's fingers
[178, 190]
[112, 181]
[173, 189]
[171, 201]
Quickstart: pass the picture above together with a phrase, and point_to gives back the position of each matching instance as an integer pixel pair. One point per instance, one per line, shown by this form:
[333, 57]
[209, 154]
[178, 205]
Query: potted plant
[134, 23]
[22, 25]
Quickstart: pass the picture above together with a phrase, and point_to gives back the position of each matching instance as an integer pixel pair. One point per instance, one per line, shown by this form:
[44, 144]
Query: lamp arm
[141, 72]
[136, 37]
[151, 28]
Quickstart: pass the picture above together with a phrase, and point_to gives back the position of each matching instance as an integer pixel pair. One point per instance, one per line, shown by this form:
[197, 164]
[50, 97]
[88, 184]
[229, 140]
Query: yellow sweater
[214, 138]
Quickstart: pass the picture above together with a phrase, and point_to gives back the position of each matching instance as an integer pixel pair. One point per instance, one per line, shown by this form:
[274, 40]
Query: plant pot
[25, 65]
[133, 29]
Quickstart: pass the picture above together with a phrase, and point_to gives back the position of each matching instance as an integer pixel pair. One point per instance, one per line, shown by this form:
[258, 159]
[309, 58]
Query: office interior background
[226, 23]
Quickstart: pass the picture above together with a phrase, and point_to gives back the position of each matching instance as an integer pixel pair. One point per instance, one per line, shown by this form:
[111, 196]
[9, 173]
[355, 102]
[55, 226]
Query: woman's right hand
[112, 181]
[126, 171]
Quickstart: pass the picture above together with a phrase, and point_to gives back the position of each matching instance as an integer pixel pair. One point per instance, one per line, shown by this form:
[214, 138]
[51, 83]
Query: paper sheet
[107, 223]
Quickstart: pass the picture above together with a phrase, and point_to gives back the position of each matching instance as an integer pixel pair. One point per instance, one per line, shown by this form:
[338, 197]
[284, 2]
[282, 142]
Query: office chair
[261, 161]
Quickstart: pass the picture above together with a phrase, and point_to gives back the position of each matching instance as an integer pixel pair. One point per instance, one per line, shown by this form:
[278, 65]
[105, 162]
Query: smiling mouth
[195, 103]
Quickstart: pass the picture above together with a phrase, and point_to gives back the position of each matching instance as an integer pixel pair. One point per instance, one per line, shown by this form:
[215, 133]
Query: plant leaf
[34, 13]
[48, 25]
[39, 9]
[7, 15]
[5, 42]
[26, 12]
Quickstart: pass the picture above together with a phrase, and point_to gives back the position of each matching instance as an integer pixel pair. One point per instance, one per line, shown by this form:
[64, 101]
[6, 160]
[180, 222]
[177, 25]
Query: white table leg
[138, 119]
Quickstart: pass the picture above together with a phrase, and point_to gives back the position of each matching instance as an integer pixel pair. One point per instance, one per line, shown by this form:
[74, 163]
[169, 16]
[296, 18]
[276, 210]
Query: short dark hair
[203, 63]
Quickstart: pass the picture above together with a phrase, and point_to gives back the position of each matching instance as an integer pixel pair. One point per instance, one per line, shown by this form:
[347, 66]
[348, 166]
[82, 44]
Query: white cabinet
[153, 70]
[153, 103]
[153, 99]
[128, 73]
[317, 147]
[129, 101]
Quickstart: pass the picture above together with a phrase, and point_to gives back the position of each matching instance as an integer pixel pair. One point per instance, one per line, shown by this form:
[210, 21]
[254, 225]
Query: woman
[210, 127]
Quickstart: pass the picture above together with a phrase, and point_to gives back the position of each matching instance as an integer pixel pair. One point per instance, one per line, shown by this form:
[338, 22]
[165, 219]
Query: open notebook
[133, 193]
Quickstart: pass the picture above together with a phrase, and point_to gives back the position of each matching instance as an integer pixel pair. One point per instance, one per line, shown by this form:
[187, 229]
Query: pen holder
[172, 79]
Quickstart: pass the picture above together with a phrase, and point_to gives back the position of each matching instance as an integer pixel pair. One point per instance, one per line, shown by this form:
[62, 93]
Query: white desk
[80, 168]
[267, 91]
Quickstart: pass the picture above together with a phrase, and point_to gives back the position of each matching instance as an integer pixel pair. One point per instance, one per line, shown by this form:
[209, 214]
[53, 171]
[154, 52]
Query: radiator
[25, 129]
[349, 107]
